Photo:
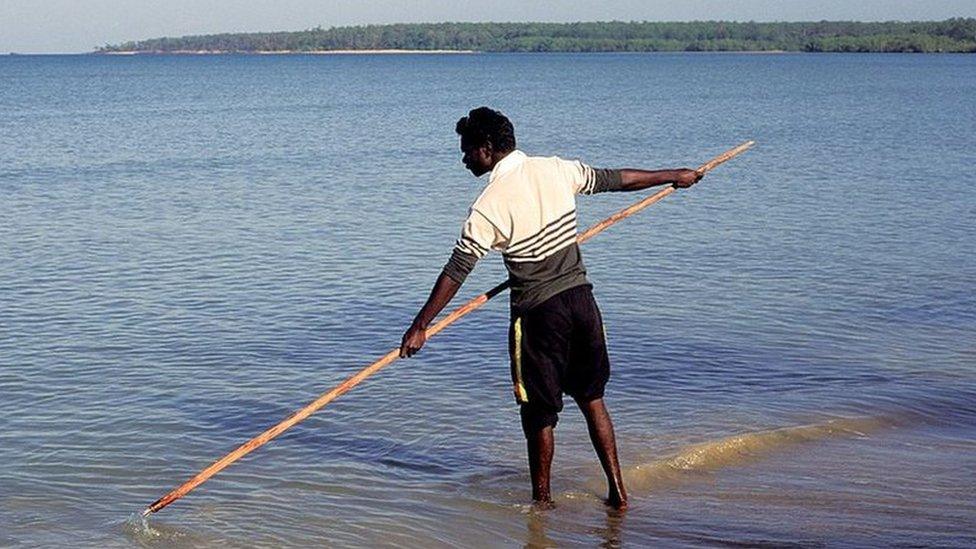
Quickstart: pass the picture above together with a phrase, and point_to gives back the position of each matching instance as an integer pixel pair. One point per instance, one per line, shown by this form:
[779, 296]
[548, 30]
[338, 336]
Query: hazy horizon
[66, 26]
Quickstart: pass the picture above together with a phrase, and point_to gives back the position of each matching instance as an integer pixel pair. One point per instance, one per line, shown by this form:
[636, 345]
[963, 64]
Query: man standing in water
[557, 344]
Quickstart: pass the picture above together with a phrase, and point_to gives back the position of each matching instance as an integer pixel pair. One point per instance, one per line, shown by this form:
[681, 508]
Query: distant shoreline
[290, 52]
[427, 52]
[394, 53]
[948, 36]
[391, 52]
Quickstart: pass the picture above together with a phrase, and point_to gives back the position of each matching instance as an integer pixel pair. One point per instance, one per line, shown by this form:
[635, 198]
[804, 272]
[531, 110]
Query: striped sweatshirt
[527, 211]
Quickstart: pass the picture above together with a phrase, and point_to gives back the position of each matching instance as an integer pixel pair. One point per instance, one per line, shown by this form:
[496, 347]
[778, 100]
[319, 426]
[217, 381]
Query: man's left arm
[477, 235]
[440, 295]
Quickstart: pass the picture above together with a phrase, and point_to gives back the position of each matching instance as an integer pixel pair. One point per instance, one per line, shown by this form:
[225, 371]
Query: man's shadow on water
[538, 525]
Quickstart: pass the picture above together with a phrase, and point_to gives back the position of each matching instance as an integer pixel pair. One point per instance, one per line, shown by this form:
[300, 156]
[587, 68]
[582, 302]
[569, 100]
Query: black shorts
[557, 347]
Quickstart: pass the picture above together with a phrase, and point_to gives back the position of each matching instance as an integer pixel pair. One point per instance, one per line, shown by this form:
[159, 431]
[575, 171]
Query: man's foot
[618, 503]
[601, 434]
[543, 505]
[540, 444]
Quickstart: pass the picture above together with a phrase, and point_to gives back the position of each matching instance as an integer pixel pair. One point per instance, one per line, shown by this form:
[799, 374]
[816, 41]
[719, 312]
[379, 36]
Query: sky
[75, 26]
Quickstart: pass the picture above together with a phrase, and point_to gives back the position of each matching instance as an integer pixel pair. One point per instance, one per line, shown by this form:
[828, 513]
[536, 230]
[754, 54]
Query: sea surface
[191, 248]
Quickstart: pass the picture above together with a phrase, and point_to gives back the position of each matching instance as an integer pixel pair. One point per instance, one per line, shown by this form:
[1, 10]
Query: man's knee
[535, 419]
[591, 404]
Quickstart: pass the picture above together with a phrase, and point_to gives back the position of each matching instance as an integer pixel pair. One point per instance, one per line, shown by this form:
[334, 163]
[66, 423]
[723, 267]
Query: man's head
[486, 137]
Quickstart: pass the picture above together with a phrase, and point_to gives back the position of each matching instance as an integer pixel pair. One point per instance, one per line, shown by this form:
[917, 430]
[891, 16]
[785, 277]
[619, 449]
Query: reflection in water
[610, 534]
[539, 522]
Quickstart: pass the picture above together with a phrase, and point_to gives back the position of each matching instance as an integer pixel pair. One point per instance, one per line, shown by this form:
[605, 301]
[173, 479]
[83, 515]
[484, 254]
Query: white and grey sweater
[528, 213]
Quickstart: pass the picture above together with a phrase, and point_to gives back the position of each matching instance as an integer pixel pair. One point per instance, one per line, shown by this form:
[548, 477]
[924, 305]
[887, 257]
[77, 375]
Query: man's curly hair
[484, 125]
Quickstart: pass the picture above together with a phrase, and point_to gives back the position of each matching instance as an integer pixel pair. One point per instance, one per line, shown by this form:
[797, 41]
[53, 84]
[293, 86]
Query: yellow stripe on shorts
[520, 393]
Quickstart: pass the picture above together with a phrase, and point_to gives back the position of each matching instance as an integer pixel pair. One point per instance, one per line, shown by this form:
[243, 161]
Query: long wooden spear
[388, 358]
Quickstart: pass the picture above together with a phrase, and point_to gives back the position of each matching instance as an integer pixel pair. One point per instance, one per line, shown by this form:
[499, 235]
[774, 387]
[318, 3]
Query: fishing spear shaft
[390, 357]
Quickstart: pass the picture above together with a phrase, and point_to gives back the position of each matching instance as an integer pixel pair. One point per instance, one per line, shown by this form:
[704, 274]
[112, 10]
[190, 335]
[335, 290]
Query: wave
[744, 448]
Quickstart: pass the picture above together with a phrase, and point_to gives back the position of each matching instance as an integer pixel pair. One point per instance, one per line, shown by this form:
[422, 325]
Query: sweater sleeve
[588, 180]
[478, 235]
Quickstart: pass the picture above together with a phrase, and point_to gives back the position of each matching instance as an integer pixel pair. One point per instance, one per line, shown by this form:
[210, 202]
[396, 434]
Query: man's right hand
[686, 178]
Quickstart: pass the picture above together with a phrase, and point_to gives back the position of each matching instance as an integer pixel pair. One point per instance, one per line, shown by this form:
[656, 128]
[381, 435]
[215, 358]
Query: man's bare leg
[601, 434]
[541, 444]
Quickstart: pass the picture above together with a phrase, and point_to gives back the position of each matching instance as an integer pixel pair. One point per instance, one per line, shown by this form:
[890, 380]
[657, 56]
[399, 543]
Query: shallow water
[194, 247]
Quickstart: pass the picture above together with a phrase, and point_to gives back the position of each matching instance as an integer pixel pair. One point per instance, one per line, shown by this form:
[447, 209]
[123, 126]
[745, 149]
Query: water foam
[138, 529]
[137, 526]
[744, 448]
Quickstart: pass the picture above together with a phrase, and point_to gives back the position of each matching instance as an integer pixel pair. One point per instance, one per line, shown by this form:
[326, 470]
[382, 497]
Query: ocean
[193, 247]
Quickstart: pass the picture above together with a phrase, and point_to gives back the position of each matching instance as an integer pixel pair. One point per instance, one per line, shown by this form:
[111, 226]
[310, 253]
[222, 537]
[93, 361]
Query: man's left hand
[413, 340]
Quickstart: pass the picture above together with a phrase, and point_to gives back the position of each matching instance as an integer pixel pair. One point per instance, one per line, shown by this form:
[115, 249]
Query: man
[556, 340]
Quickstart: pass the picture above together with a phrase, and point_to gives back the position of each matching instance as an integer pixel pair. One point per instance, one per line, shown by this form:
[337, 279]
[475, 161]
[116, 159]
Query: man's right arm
[587, 180]
[635, 180]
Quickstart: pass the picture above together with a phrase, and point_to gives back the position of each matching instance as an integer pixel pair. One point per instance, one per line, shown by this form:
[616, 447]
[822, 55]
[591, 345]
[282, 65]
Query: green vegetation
[952, 35]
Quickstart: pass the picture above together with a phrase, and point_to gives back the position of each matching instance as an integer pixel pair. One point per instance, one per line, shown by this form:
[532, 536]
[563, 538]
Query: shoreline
[290, 52]
[475, 52]
[464, 52]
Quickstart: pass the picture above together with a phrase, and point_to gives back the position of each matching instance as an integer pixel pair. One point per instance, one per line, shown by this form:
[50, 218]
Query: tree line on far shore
[951, 35]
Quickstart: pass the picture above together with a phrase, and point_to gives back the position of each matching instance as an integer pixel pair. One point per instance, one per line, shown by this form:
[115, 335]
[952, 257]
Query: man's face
[477, 159]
